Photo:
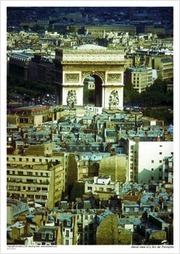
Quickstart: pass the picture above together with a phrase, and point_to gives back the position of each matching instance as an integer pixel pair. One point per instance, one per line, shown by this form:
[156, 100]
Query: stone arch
[74, 65]
[101, 75]
[92, 95]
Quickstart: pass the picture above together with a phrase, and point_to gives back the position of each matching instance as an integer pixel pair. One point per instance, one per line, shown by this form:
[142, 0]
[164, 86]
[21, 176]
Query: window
[91, 236]
[23, 120]
[29, 181]
[160, 153]
[85, 236]
[68, 223]
[91, 226]
[43, 235]
[67, 242]
[86, 228]
[50, 236]
[67, 233]
[152, 161]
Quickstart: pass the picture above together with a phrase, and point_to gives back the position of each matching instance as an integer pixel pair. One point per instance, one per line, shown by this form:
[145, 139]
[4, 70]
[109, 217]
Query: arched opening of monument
[92, 92]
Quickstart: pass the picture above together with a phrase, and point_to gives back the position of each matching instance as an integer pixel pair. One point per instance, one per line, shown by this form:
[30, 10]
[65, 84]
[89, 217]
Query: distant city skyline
[120, 12]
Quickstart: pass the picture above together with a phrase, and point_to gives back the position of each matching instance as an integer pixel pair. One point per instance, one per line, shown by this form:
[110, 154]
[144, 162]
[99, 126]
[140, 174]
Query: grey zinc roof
[64, 216]
[134, 221]
[21, 56]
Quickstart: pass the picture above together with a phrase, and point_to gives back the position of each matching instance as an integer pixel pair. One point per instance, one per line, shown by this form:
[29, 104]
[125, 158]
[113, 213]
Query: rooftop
[91, 47]
[21, 56]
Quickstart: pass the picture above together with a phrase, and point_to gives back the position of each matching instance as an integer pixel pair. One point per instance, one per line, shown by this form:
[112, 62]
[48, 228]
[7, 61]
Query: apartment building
[102, 187]
[102, 31]
[19, 65]
[36, 178]
[41, 70]
[151, 156]
[30, 115]
[78, 227]
[47, 235]
[132, 174]
[16, 209]
[167, 172]
[86, 227]
[164, 66]
[139, 77]
[68, 229]
[146, 159]
[88, 163]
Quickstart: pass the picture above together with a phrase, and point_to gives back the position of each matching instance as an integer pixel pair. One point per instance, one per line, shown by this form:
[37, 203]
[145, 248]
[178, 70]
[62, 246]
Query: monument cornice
[92, 63]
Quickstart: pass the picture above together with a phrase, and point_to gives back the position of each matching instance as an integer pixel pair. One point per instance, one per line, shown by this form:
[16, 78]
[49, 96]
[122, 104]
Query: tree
[129, 93]
[155, 95]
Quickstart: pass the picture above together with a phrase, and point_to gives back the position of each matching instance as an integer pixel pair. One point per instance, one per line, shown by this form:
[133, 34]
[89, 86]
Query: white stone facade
[146, 159]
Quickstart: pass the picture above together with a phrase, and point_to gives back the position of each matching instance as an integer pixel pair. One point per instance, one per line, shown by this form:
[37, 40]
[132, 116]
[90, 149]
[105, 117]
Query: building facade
[167, 175]
[146, 160]
[18, 65]
[30, 115]
[43, 182]
[102, 187]
[139, 77]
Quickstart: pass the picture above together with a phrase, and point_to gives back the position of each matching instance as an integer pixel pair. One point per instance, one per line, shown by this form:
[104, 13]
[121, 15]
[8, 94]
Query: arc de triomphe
[105, 65]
